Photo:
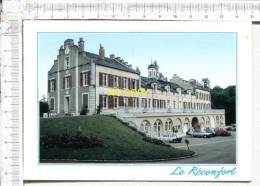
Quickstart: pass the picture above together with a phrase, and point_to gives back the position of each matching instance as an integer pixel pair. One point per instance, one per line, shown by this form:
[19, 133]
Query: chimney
[101, 52]
[112, 56]
[81, 44]
[61, 49]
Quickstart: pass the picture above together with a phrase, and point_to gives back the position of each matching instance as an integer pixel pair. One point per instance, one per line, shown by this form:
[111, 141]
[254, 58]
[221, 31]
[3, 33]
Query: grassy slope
[121, 143]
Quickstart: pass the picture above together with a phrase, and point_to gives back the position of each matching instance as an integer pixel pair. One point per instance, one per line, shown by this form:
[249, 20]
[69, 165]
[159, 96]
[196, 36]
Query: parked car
[211, 130]
[189, 131]
[231, 127]
[201, 134]
[222, 132]
[198, 133]
[172, 138]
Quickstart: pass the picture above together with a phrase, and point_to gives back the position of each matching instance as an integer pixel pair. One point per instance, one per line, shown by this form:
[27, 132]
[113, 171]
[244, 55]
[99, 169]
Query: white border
[35, 171]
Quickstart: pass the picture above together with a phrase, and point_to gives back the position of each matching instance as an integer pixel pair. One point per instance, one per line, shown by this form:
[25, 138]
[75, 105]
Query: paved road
[216, 150]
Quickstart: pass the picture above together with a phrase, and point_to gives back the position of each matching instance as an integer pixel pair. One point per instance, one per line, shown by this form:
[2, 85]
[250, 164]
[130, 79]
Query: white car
[174, 138]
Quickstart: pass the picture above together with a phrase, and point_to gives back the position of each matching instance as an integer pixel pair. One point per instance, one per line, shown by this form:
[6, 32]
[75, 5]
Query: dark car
[201, 134]
[222, 132]
[211, 130]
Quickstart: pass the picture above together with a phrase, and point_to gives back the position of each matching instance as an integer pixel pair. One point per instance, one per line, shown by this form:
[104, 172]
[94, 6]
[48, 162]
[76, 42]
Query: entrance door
[85, 101]
[67, 105]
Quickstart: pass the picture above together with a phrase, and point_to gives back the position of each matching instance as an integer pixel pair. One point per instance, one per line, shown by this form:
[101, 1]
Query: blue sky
[189, 55]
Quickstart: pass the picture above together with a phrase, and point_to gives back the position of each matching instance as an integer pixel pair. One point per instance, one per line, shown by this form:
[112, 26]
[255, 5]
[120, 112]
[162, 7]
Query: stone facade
[79, 82]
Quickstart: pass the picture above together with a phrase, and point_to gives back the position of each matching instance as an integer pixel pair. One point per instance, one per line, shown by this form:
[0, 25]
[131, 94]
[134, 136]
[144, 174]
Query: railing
[168, 110]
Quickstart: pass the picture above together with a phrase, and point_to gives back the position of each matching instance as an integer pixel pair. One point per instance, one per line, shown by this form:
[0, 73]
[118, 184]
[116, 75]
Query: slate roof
[147, 83]
[200, 87]
[53, 68]
[111, 63]
[151, 66]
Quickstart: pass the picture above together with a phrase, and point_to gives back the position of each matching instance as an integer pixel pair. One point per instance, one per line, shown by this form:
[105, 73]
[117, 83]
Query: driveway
[215, 150]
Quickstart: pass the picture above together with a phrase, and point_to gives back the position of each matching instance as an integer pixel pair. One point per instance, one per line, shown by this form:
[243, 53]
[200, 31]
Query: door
[67, 105]
[85, 101]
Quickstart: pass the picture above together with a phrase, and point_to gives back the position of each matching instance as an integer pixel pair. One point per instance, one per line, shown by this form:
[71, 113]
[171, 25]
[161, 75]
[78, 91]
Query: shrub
[99, 108]
[84, 110]
[75, 140]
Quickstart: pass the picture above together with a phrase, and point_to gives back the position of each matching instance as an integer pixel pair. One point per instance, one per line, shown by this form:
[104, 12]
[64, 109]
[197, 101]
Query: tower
[153, 70]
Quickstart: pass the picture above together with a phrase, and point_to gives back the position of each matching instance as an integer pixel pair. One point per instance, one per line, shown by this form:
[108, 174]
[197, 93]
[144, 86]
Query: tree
[44, 107]
[225, 99]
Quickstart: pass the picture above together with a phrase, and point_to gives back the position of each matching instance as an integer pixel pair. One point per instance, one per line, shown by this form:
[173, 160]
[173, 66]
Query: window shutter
[129, 83]
[49, 84]
[81, 79]
[137, 100]
[64, 83]
[101, 100]
[121, 102]
[88, 76]
[109, 80]
[119, 82]
[70, 82]
[130, 102]
[123, 82]
[145, 103]
[137, 84]
[100, 79]
[54, 84]
[110, 102]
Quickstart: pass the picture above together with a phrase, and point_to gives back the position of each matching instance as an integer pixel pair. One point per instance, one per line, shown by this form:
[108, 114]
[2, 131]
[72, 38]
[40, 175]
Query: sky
[189, 55]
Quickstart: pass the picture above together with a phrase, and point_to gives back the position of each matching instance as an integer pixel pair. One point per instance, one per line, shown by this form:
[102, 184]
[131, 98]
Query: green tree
[44, 107]
[225, 99]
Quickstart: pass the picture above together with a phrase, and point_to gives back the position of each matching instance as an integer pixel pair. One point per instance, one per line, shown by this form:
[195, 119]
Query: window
[115, 102]
[134, 84]
[105, 102]
[126, 101]
[84, 79]
[105, 80]
[154, 86]
[52, 85]
[174, 104]
[143, 102]
[125, 83]
[166, 126]
[115, 81]
[135, 102]
[67, 81]
[67, 62]
[52, 103]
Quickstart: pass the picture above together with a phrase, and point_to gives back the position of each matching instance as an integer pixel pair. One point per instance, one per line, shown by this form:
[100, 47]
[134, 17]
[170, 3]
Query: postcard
[137, 100]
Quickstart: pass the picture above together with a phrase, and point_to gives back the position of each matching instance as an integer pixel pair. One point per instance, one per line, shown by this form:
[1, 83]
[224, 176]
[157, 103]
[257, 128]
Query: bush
[155, 141]
[75, 140]
[99, 108]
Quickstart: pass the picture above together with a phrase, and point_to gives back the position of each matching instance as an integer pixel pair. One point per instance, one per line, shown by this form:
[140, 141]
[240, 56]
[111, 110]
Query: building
[81, 81]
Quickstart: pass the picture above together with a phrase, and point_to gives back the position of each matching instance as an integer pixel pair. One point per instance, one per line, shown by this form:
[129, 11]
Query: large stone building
[81, 81]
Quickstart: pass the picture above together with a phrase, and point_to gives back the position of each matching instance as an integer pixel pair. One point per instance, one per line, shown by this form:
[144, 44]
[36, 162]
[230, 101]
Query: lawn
[120, 141]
